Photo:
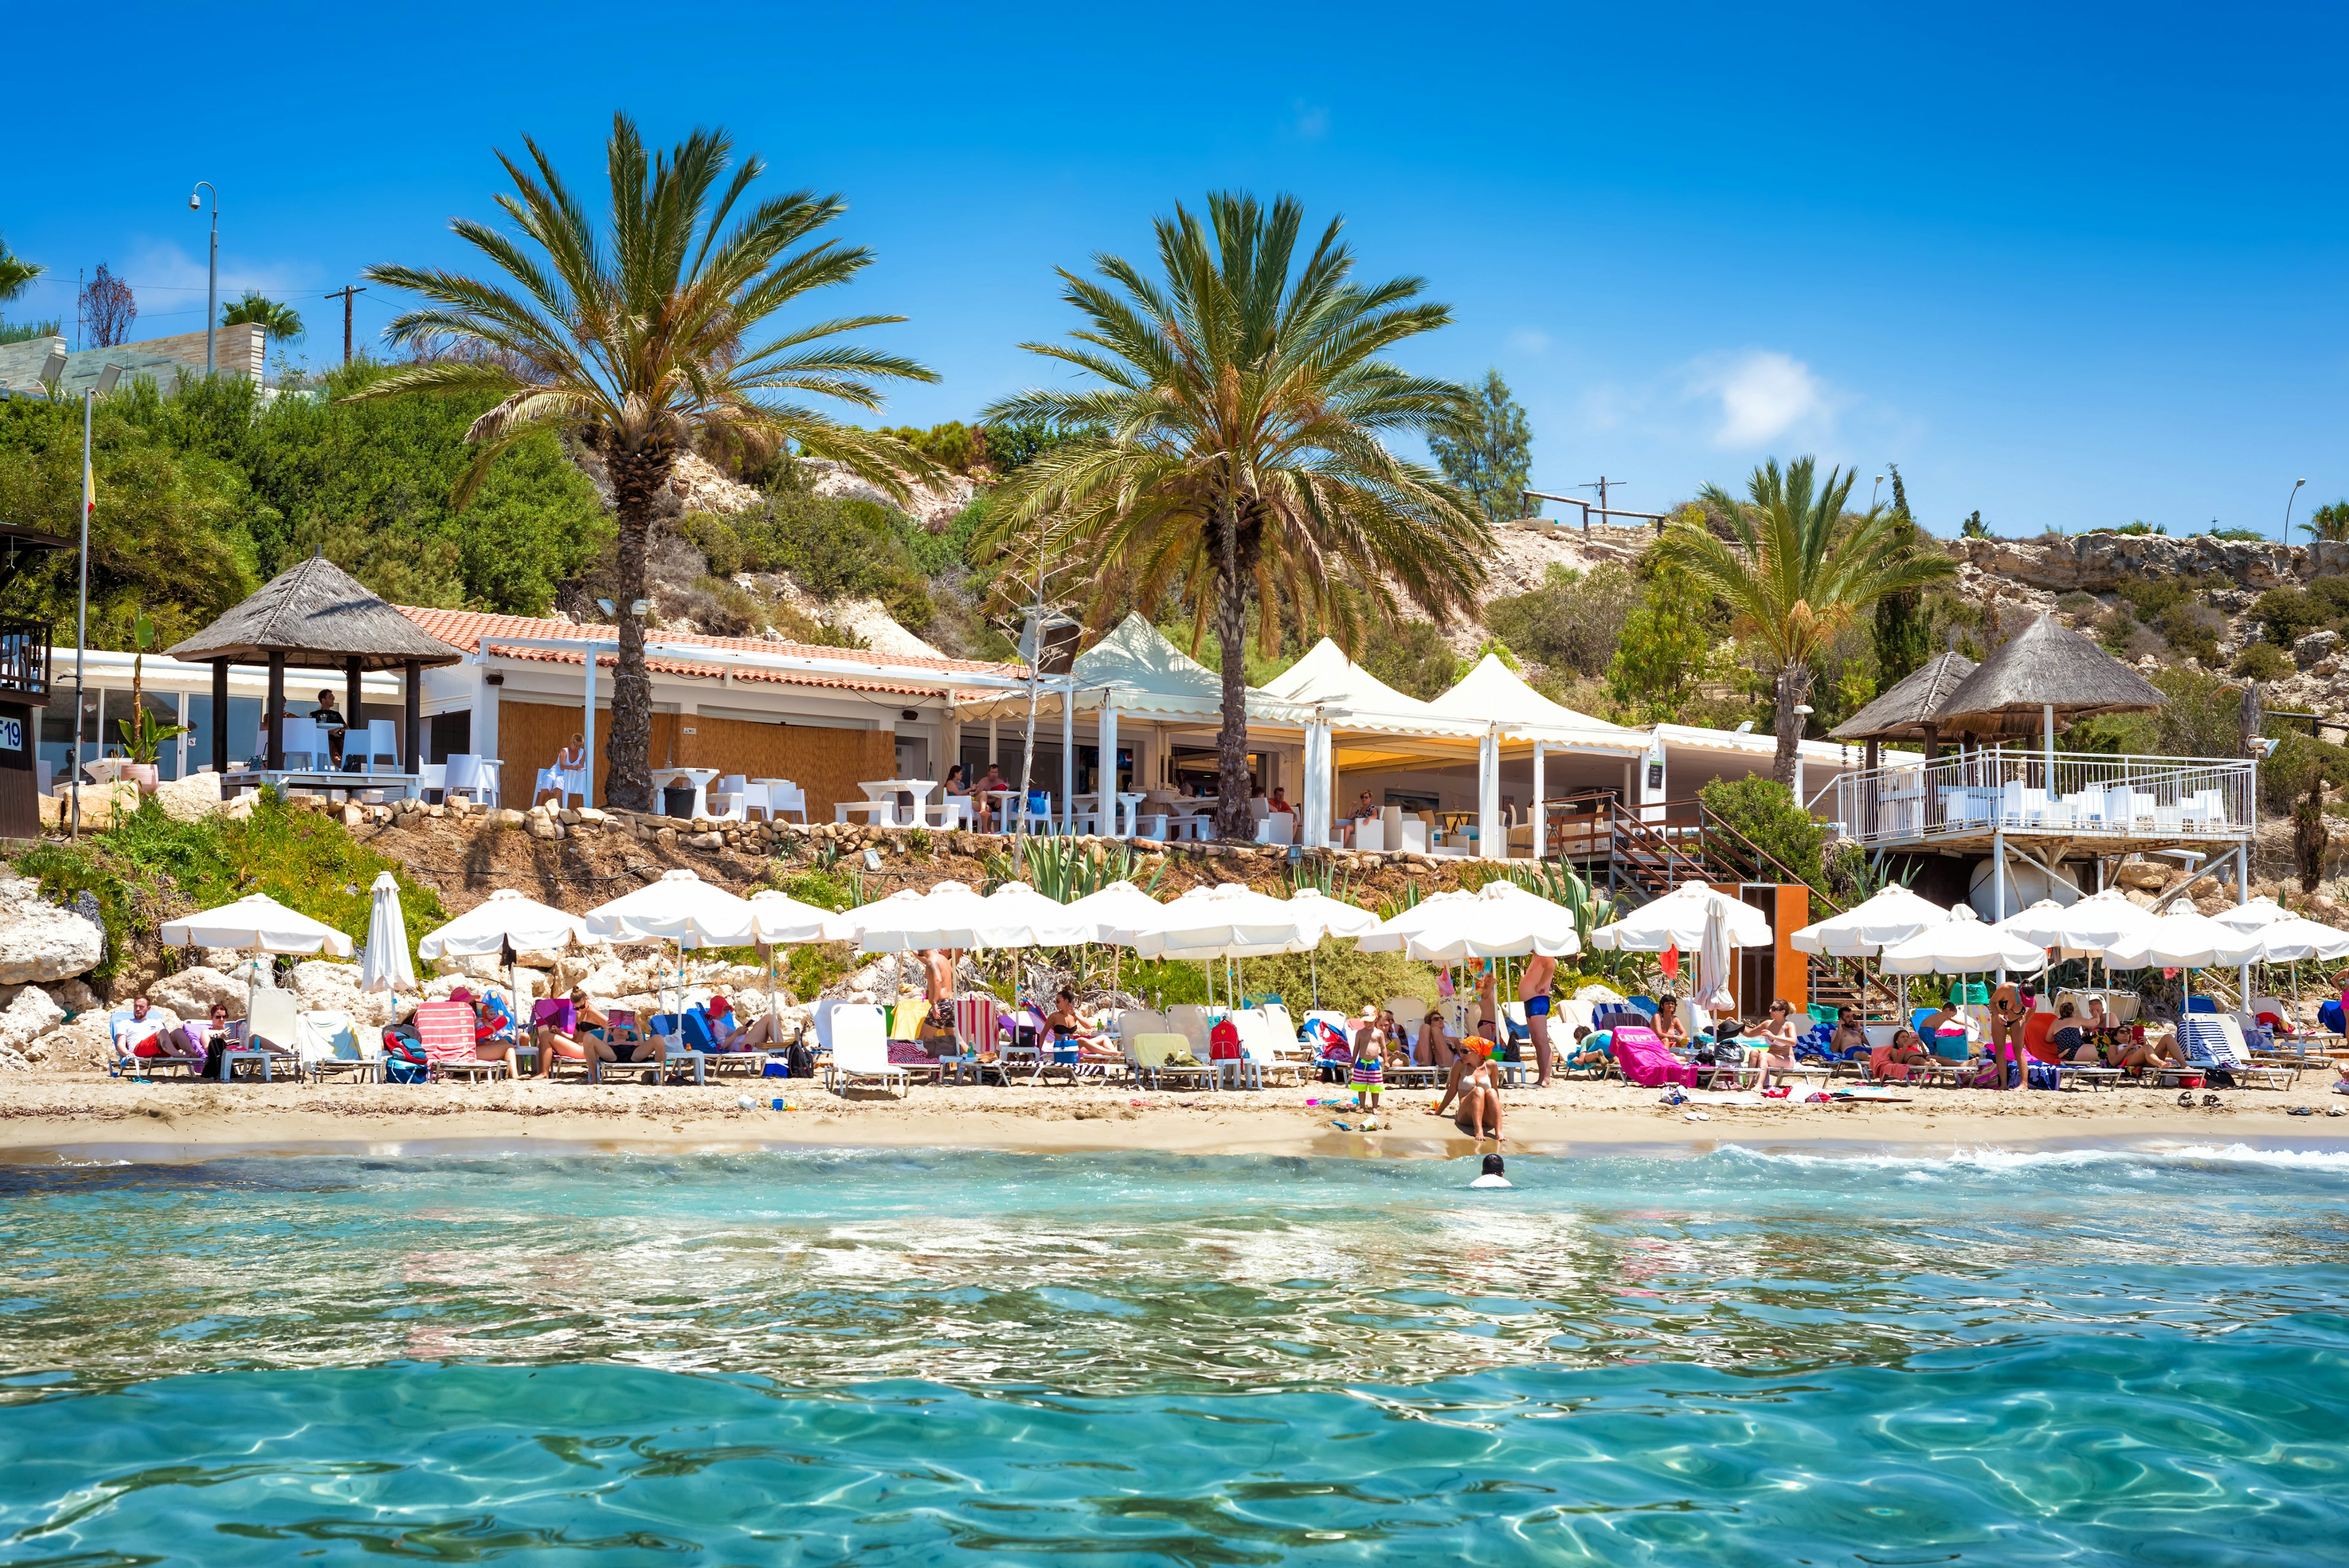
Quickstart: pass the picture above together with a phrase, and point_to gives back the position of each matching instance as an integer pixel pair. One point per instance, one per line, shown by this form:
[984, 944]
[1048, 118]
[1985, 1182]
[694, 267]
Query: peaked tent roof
[319, 617]
[2044, 665]
[1359, 701]
[1914, 702]
[1493, 692]
[1136, 666]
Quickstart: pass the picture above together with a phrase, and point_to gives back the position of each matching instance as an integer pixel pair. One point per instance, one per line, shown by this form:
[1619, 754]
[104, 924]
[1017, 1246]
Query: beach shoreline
[86, 1118]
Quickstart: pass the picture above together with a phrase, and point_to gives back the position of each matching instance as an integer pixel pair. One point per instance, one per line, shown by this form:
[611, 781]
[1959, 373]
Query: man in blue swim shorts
[1533, 990]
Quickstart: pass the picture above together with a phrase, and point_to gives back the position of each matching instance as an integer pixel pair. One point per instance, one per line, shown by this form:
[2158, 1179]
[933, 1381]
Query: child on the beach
[1369, 1069]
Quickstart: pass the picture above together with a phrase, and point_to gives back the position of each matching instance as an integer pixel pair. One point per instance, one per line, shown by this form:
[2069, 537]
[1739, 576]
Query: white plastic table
[1005, 817]
[699, 779]
[884, 792]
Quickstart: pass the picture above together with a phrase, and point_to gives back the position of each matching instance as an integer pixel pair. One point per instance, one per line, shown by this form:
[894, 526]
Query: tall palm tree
[278, 322]
[1232, 449]
[1795, 569]
[634, 340]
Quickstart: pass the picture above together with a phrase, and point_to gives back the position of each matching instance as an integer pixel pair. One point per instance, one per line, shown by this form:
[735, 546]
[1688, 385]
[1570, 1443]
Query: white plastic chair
[461, 774]
[433, 778]
[733, 792]
[303, 739]
[787, 796]
[381, 744]
[1279, 828]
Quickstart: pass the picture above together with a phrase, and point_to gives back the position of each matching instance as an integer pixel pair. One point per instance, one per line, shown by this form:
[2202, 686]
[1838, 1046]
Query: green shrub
[1764, 812]
[2263, 661]
[2192, 628]
[1571, 622]
[2287, 615]
[150, 867]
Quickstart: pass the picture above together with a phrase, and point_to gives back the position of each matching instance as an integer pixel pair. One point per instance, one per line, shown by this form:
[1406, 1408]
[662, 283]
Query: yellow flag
[89, 490]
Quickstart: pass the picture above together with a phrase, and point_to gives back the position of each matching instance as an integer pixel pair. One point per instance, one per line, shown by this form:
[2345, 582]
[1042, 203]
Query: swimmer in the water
[1493, 1176]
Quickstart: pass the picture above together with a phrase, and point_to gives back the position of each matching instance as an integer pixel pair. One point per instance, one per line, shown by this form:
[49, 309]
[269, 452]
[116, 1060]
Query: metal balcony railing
[2081, 795]
[25, 660]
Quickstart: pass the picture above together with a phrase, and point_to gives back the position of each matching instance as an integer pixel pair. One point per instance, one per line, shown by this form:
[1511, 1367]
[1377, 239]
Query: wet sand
[100, 1117]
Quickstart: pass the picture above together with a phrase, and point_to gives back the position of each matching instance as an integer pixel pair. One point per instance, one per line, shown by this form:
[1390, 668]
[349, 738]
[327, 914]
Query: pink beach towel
[1646, 1061]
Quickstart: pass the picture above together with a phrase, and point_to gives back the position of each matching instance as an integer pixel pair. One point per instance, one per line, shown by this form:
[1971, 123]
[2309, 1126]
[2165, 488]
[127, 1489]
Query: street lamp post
[2287, 508]
[211, 288]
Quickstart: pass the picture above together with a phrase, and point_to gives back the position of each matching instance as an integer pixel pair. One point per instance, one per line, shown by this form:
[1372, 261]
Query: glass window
[244, 730]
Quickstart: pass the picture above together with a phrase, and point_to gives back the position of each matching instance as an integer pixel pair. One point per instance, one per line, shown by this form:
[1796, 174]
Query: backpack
[403, 1057]
[1223, 1042]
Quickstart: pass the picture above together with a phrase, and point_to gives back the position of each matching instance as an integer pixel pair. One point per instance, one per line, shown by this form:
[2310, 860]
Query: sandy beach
[179, 1120]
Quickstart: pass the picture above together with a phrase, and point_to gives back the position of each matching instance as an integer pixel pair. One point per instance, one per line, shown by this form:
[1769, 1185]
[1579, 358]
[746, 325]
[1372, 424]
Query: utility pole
[344, 296]
[1602, 486]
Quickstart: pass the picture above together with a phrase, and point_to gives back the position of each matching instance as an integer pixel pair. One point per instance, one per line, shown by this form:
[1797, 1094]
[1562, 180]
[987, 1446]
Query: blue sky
[2070, 266]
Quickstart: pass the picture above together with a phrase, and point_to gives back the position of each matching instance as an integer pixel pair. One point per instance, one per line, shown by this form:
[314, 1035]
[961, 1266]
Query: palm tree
[634, 341]
[16, 272]
[1795, 570]
[1232, 449]
[279, 323]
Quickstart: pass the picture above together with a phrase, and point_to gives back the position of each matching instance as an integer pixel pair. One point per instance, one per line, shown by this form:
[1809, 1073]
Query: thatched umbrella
[315, 617]
[1911, 710]
[2044, 670]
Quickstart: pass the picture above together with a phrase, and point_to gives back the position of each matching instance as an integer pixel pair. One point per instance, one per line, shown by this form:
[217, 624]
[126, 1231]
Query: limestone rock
[2142, 873]
[100, 805]
[192, 992]
[189, 799]
[543, 827]
[505, 816]
[32, 1013]
[39, 941]
[2315, 647]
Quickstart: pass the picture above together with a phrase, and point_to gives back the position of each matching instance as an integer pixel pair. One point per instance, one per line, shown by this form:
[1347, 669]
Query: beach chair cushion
[560, 1013]
[1643, 1056]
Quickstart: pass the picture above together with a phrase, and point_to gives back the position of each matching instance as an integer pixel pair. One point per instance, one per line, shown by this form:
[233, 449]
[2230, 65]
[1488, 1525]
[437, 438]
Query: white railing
[2083, 796]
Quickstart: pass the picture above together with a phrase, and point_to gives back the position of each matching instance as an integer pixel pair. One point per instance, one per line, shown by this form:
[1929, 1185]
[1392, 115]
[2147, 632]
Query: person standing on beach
[1533, 991]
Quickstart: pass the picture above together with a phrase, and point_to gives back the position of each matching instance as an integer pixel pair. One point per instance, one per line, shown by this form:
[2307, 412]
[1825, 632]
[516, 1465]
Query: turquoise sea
[1738, 1357]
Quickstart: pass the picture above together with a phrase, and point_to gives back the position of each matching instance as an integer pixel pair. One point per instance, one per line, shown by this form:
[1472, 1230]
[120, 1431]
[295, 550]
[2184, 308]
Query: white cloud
[1311, 120]
[1527, 340]
[1763, 395]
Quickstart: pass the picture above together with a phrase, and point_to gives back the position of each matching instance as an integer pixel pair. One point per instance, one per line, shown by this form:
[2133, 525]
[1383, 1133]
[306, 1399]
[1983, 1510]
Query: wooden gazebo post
[274, 721]
[219, 715]
[351, 711]
[411, 756]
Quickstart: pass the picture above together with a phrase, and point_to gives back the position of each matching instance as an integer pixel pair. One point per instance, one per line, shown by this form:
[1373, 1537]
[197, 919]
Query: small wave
[2002, 1161]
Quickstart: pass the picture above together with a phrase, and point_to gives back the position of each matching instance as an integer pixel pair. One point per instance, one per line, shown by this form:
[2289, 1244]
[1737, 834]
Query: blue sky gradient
[2070, 267]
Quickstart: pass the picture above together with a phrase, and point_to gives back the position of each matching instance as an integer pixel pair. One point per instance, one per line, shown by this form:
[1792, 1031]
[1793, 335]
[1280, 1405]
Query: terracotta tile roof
[469, 629]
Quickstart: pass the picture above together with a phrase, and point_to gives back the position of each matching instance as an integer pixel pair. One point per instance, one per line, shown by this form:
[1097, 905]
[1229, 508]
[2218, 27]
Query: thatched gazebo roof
[1912, 706]
[2044, 666]
[319, 617]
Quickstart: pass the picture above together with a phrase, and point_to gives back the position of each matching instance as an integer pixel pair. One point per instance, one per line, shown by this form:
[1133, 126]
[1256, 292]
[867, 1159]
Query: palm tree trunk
[1793, 686]
[1233, 819]
[637, 477]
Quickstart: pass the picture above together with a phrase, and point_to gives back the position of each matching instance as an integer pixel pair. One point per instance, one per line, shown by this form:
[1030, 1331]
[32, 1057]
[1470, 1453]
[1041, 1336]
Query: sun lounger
[2215, 1044]
[1260, 1052]
[1149, 1053]
[446, 1031]
[1644, 1060]
[860, 1053]
[128, 1063]
[327, 1043]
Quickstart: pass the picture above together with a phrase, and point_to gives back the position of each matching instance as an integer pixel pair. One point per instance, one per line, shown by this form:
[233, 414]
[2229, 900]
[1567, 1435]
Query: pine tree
[1903, 629]
[1487, 452]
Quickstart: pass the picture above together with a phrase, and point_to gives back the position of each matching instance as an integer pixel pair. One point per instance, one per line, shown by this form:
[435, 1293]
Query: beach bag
[403, 1057]
[2044, 1075]
[1224, 1041]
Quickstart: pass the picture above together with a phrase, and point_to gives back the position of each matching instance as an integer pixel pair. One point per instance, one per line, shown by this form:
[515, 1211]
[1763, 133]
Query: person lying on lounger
[2153, 1053]
[1895, 1059]
[1072, 1024]
[2068, 1040]
[729, 1032]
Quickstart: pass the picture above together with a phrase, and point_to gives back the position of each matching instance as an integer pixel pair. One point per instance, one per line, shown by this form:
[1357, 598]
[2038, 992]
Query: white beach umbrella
[384, 963]
[2261, 911]
[955, 916]
[680, 909]
[1226, 920]
[780, 919]
[503, 925]
[1678, 919]
[2095, 924]
[1318, 916]
[1390, 935]
[2184, 938]
[1021, 917]
[505, 919]
[1119, 906]
[256, 923]
[1501, 920]
[2291, 939]
[1961, 945]
[1713, 963]
[1891, 916]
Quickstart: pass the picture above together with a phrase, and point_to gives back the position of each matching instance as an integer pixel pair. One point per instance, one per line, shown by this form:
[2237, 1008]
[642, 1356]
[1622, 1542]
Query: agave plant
[1064, 870]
